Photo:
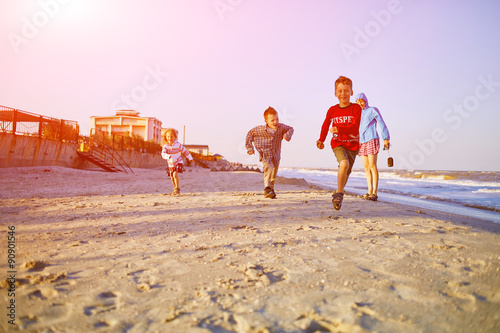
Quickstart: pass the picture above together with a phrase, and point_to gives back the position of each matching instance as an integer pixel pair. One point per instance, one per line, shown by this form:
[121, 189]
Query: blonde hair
[172, 131]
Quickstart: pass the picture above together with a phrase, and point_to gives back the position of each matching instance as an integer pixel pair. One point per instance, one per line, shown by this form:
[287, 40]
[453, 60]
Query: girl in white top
[173, 151]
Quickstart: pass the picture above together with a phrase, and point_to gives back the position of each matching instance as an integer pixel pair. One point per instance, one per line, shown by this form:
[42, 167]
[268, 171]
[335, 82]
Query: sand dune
[114, 253]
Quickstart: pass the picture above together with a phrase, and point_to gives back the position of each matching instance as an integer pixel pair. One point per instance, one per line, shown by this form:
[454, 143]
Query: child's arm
[384, 131]
[249, 142]
[164, 153]
[186, 153]
[288, 134]
[324, 129]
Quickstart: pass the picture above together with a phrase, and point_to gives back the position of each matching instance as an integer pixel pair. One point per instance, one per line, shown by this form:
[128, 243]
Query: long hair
[173, 131]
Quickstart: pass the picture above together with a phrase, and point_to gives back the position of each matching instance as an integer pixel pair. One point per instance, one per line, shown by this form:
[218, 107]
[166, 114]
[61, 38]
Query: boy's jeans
[270, 169]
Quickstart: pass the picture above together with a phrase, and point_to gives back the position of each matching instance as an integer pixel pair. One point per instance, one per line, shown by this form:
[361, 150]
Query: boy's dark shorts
[178, 167]
[342, 153]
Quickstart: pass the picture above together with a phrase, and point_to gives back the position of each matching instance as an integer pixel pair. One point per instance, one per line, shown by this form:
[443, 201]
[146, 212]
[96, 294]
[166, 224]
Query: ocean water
[468, 193]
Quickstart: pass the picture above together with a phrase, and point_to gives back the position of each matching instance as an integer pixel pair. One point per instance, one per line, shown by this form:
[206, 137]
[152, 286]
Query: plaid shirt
[268, 144]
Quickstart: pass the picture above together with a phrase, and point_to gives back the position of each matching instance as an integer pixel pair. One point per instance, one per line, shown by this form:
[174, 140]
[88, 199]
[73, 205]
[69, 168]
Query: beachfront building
[199, 149]
[129, 123]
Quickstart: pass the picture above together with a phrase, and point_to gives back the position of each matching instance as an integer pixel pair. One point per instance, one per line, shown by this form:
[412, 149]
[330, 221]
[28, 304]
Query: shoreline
[120, 255]
[428, 193]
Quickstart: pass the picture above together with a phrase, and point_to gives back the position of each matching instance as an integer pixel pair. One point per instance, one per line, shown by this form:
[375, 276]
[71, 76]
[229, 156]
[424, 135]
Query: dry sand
[113, 253]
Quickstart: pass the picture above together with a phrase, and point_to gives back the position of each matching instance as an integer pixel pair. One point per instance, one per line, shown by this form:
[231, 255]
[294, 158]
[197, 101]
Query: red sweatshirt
[347, 121]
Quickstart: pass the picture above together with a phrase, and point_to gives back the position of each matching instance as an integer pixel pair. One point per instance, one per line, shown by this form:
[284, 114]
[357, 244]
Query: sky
[214, 66]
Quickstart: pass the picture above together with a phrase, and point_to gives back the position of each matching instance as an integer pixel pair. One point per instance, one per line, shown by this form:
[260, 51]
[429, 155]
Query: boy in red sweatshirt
[344, 119]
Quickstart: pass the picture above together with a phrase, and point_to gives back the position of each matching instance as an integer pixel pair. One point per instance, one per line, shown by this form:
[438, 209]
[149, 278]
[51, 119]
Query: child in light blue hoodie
[369, 144]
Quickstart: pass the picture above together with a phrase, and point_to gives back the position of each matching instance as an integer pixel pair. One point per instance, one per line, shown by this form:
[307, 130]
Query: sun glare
[78, 10]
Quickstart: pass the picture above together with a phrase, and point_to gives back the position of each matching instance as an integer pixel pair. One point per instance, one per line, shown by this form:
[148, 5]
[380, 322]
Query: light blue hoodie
[370, 117]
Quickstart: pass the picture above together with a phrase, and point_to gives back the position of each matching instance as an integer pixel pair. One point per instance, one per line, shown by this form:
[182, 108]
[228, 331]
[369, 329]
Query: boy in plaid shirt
[267, 141]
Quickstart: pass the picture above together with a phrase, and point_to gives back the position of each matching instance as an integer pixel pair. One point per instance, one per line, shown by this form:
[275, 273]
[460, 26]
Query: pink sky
[215, 66]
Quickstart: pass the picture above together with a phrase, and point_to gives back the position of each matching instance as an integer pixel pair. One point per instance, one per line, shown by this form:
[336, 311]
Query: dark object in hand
[390, 162]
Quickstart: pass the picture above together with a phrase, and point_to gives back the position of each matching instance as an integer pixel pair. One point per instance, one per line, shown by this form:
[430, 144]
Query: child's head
[271, 118]
[362, 100]
[170, 135]
[343, 90]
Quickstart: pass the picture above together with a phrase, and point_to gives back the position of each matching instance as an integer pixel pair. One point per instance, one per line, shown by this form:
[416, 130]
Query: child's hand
[286, 138]
[250, 152]
[387, 144]
[320, 144]
[334, 129]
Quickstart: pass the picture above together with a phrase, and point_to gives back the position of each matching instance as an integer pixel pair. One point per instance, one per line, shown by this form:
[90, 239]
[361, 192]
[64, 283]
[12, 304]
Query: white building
[128, 123]
[199, 149]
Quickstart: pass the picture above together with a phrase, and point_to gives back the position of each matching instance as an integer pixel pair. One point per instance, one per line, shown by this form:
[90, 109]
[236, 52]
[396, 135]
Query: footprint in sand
[444, 246]
[409, 293]
[260, 276]
[43, 293]
[107, 301]
[78, 243]
[465, 299]
[108, 294]
[111, 323]
[35, 266]
[49, 315]
[145, 282]
[52, 278]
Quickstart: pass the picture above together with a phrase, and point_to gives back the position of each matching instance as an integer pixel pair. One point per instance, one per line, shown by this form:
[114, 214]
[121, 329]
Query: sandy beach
[114, 252]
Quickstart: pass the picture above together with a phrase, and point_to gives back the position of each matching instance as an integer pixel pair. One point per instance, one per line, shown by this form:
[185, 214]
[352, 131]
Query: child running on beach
[344, 118]
[267, 140]
[369, 144]
[173, 151]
